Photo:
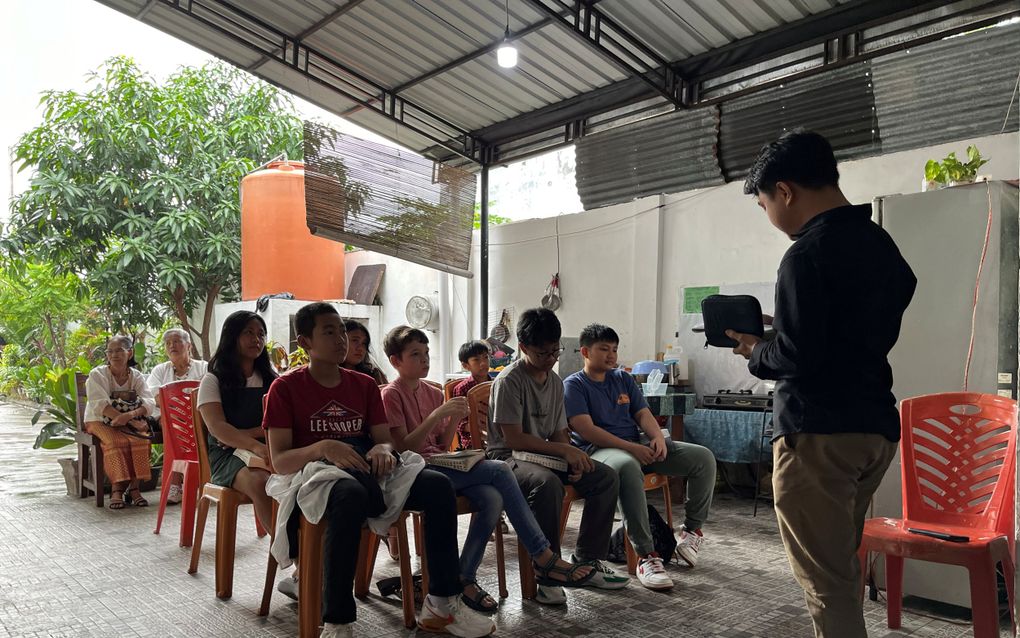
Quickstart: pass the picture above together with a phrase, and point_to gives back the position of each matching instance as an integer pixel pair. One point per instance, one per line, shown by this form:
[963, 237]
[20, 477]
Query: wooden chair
[448, 388]
[91, 475]
[478, 425]
[309, 563]
[227, 501]
[180, 453]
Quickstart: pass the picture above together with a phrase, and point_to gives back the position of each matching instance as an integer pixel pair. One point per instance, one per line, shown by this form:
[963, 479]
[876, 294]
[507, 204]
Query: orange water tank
[278, 254]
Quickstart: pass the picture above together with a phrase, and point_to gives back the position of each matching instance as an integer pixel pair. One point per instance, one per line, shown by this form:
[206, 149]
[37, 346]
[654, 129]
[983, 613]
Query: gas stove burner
[738, 400]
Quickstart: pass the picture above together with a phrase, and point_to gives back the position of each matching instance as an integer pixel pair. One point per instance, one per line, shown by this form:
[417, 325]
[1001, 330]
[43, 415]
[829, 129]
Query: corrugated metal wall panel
[838, 104]
[954, 89]
[666, 154]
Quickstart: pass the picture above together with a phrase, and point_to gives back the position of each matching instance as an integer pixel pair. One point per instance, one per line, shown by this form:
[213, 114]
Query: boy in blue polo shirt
[607, 414]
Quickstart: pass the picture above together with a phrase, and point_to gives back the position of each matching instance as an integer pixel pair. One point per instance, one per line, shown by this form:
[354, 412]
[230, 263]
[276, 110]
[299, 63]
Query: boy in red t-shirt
[323, 412]
[474, 357]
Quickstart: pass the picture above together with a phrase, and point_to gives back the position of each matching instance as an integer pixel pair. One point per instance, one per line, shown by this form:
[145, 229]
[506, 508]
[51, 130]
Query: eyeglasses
[549, 354]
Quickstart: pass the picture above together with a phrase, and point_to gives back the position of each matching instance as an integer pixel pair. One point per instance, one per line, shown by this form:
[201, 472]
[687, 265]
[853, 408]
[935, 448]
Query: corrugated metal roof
[840, 105]
[678, 29]
[395, 43]
[667, 154]
[423, 72]
[954, 89]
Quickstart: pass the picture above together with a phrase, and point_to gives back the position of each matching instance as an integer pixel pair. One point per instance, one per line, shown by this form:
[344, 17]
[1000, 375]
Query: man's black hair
[595, 332]
[472, 349]
[538, 326]
[802, 157]
[304, 320]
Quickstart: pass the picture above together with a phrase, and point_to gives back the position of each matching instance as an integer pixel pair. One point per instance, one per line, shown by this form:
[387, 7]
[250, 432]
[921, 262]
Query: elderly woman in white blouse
[180, 367]
[118, 402]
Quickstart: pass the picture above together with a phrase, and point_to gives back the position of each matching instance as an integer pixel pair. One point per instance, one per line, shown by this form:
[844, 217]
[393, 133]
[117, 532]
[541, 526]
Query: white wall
[402, 281]
[624, 265]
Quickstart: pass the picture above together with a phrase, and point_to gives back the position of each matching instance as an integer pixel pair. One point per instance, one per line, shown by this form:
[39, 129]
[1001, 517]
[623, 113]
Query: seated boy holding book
[422, 423]
[322, 412]
[526, 415]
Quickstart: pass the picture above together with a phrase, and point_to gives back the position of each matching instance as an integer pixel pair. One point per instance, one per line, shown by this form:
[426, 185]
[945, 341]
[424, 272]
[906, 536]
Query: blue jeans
[492, 488]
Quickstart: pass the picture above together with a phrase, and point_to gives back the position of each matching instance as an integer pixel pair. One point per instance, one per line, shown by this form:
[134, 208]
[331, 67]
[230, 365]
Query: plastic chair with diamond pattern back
[958, 463]
[180, 452]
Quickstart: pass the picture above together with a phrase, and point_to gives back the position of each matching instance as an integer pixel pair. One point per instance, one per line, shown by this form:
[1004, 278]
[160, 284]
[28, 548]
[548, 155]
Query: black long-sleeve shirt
[841, 293]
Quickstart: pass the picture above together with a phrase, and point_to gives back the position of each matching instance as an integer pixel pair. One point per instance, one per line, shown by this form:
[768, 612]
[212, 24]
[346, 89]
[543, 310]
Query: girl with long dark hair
[230, 401]
[359, 358]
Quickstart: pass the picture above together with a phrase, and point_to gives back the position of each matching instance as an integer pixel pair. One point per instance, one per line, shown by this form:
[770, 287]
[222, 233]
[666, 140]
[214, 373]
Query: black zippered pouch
[740, 313]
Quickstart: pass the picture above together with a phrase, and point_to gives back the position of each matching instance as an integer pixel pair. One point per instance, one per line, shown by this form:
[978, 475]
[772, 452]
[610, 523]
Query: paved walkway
[70, 569]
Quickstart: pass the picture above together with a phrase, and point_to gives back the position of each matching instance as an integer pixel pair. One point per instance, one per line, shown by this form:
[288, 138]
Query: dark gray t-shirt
[518, 399]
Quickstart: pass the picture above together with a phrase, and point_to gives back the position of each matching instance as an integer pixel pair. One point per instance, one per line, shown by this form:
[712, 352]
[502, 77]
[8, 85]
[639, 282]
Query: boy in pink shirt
[421, 422]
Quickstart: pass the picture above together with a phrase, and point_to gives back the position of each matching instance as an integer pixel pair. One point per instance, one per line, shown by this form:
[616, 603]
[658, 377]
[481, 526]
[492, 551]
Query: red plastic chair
[958, 458]
[180, 453]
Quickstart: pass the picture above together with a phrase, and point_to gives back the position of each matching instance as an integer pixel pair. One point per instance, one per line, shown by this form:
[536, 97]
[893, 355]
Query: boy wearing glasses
[526, 413]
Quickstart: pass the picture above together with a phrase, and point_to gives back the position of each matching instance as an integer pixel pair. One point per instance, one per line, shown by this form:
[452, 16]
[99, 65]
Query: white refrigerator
[946, 236]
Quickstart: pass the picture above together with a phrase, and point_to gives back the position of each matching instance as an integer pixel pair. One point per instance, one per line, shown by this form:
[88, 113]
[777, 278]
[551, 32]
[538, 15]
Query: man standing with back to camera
[841, 292]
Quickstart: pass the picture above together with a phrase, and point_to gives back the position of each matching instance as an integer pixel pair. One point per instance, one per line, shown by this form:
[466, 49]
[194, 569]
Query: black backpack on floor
[662, 537]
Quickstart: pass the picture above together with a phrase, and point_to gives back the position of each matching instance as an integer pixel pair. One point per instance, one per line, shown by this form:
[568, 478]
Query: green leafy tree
[135, 187]
[494, 220]
[36, 305]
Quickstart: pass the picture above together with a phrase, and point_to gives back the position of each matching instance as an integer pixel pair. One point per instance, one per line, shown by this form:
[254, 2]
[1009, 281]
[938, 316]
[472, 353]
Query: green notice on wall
[693, 297]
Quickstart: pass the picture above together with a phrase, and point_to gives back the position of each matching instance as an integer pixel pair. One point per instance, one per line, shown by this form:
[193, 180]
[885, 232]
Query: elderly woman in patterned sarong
[118, 402]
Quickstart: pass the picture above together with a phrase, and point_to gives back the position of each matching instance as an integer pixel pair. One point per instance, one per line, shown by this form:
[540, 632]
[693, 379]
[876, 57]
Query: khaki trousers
[823, 485]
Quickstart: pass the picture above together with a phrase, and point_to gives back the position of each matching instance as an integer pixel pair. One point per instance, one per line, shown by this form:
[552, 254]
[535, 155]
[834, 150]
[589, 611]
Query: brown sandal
[138, 501]
[117, 502]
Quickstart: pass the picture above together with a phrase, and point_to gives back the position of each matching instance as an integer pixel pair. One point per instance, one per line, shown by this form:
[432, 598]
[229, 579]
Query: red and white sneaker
[688, 546]
[461, 621]
[652, 574]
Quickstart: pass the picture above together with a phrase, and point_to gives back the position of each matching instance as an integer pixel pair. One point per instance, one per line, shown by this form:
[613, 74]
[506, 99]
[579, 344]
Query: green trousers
[693, 462]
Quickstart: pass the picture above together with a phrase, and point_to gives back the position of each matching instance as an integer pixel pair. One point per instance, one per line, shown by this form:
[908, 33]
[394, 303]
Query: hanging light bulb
[506, 54]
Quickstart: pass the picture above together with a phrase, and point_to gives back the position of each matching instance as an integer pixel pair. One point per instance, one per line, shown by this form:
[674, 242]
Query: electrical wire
[612, 223]
[1011, 98]
[977, 291]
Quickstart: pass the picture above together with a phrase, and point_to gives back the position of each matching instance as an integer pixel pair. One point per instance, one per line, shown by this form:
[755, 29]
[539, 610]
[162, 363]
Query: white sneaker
[548, 595]
[174, 495]
[461, 620]
[329, 630]
[288, 586]
[605, 576]
[688, 545]
[652, 574]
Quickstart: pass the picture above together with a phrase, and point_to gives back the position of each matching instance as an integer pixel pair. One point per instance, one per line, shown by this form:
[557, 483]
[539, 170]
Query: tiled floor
[70, 569]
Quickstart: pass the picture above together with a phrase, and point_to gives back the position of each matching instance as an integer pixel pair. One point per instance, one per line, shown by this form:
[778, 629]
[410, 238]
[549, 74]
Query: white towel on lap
[309, 490]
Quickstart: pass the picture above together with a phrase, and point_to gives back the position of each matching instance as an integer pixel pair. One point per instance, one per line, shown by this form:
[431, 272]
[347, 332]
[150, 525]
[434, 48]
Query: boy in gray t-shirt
[526, 413]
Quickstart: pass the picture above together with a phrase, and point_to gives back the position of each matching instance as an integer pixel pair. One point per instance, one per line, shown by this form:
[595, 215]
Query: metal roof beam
[319, 25]
[833, 24]
[829, 24]
[594, 28]
[254, 33]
